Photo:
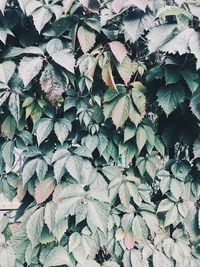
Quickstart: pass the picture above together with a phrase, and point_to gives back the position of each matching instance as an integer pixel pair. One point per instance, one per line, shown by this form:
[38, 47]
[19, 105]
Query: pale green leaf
[44, 128]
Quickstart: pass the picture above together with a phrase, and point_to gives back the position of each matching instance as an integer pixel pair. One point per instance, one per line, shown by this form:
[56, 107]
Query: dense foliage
[100, 100]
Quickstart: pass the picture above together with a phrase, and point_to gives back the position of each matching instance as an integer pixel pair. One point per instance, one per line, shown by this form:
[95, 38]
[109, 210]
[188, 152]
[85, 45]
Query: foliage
[101, 100]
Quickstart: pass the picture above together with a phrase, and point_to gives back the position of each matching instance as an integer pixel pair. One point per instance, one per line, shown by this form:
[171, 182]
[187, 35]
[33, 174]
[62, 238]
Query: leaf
[195, 104]
[8, 153]
[34, 226]
[41, 169]
[141, 138]
[196, 148]
[129, 240]
[8, 257]
[86, 38]
[29, 67]
[52, 83]
[14, 106]
[7, 68]
[62, 127]
[65, 59]
[58, 256]
[41, 16]
[2, 9]
[44, 128]
[139, 228]
[44, 190]
[125, 69]
[141, 4]
[74, 241]
[129, 132]
[121, 111]
[74, 166]
[8, 127]
[97, 215]
[107, 76]
[171, 216]
[135, 28]
[28, 170]
[119, 50]
[170, 97]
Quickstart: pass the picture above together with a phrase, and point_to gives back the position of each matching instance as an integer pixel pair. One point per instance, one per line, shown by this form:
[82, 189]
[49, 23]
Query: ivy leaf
[65, 59]
[62, 127]
[14, 106]
[141, 4]
[3, 6]
[119, 50]
[121, 111]
[86, 38]
[52, 84]
[44, 190]
[29, 67]
[141, 138]
[7, 69]
[196, 148]
[195, 103]
[74, 166]
[29, 169]
[129, 240]
[125, 69]
[58, 256]
[41, 169]
[8, 127]
[107, 76]
[170, 97]
[34, 226]
[41, 16]
[44, 128]
[134, 28]
[8, 153]
[8, 257]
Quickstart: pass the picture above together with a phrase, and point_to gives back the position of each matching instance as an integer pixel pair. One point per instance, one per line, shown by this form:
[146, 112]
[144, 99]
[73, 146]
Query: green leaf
[34, 226]
[170, 97]
[8, 153]
[29, 67]
[58, 256]
[196, 148]
[41, 169]
[44, 128]
[86, 38]
[129, 132]
[14, 106]
[171, 215]
[62, 127]
[120, 112]
[74, 166]
[195, 104]
[8, 127]
[141, 138]
[28, 170]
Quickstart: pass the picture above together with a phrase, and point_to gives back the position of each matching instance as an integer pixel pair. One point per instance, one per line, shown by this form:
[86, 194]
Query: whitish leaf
[44, 190]
[65, 59]
[18, 51]
[141, 4]
[74, 165]
[34, 226]
[124, 195]
[135, 28]
[118, 50]
[120, 234]
[107, 76]
[129, 240]
[28, 170]
[126, 69]
[74, 241]
[86, 38]
[58, 256]
[139, 228]
[14, 106]
[41, 169]
[7, 256]
[129, 132]
[44, 128]
[49, 215]
[170, 97]
[141, 138]
[52, 83]
[160, 260]
[40, 17]
[110, 264]
[121, 111]
[62, 127]
[8, 153]
[171, 216]
[29, 67]
[3, 5]
[97, 215]
[53, 46]
[7, 69]
[195, 104]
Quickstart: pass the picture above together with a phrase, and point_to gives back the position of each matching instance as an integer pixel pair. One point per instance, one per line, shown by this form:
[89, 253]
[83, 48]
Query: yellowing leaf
[107, 76]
